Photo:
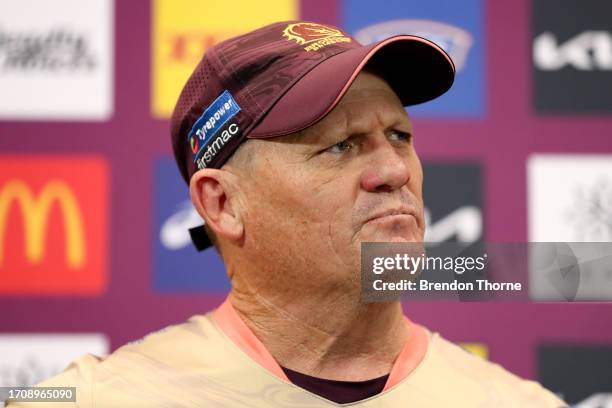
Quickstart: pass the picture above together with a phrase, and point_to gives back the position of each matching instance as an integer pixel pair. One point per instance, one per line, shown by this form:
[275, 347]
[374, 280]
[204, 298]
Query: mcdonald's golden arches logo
[53, 220]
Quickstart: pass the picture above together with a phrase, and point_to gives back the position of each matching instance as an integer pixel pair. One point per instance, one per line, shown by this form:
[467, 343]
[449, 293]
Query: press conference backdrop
[93, 214]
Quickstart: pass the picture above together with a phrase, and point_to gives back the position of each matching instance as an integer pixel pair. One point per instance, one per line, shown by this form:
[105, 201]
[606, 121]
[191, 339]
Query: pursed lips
[391, 213]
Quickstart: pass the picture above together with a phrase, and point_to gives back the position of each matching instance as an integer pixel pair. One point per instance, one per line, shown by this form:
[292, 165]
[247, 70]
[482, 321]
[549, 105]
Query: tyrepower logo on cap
[183, 30]
[314, 36]
[53, 220]
[211, 122]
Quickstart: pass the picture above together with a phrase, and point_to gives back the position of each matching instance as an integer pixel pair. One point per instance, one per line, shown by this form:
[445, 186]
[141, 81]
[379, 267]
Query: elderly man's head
[300, 205]
[297, 148]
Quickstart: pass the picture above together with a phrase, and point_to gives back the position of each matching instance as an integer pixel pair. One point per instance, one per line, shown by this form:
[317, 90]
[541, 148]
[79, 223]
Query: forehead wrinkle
[377, 113]
[334, 123]
[353, 115]
[306, 139]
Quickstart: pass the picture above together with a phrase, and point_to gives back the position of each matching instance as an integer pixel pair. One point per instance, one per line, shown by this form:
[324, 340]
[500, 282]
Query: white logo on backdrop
[570, 201]
[454, 40]
[590, 211]
[56, 60]
[587, 51]
[51, 51]
[463, 224]
[27, 359]
[174, 232]
[570, 198]
[600, 400]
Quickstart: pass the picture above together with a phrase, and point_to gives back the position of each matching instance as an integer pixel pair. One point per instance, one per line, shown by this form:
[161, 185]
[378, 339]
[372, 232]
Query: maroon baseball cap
[283, 78]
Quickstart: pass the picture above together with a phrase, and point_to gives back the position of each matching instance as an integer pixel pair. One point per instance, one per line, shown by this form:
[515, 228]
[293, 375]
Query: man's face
[353, 177]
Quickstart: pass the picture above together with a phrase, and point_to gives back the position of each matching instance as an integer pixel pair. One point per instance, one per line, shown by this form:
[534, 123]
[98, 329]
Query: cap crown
[255, 69]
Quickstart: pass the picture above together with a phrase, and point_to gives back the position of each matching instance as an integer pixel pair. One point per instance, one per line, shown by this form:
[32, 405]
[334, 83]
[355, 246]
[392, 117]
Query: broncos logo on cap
[314, 36]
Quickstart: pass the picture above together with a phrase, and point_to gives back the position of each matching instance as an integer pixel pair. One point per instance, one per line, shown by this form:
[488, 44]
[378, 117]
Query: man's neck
[337, 339]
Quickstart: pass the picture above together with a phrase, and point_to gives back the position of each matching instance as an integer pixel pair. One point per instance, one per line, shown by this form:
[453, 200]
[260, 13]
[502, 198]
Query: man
[296, 147]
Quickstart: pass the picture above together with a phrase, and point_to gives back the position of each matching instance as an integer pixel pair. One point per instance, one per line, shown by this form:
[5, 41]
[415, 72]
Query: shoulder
[117, 379]
[77, 375]
[501, 386]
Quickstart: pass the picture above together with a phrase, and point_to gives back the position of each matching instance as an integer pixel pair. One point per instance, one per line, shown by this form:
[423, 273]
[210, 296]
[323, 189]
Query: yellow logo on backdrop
[478, 349]
[35, 216]
[184, 29]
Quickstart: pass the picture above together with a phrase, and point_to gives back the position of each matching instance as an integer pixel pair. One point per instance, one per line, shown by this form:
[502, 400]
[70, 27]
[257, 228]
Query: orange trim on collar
[411, 355]
[234, 327]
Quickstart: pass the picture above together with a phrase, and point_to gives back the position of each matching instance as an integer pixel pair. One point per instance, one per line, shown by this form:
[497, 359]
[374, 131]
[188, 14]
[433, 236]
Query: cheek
[285, 203]
[416, 183]
[305, 214]
[335, 201]
[416, 187]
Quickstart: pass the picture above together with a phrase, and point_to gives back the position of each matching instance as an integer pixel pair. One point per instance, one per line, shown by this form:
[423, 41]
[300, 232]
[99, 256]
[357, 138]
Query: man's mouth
[392, 214]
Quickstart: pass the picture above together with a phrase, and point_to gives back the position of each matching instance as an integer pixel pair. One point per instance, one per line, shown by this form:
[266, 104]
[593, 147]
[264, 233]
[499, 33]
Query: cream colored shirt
[214, 360]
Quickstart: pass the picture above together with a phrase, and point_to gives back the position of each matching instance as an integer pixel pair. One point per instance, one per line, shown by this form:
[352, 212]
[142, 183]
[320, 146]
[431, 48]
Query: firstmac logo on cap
[314, 36]
[210, 123]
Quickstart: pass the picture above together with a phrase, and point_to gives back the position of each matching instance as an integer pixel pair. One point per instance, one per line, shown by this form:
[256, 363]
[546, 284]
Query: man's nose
[386, 168]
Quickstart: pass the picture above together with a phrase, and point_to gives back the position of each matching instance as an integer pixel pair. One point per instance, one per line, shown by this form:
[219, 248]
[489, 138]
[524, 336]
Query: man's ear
[211, 193]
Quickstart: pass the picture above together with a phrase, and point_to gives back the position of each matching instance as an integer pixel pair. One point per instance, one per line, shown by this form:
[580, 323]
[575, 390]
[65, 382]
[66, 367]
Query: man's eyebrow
[391, 119]
[343, 127]
[321, 135]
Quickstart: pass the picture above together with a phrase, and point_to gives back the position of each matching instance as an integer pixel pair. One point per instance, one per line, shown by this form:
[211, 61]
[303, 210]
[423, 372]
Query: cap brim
[417, 69]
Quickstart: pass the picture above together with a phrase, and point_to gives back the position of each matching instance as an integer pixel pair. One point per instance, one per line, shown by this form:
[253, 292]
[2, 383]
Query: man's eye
[340, 147]
[402, 136]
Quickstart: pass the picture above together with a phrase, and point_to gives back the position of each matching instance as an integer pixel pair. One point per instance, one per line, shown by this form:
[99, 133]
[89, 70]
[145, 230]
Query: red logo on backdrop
[188, 47]
[53, 225]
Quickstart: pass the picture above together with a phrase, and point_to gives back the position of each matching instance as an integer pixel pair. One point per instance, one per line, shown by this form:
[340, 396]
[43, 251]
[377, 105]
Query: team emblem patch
[314, 36]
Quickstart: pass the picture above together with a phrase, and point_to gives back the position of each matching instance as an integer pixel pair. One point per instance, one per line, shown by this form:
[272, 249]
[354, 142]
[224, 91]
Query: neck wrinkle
[408, 355]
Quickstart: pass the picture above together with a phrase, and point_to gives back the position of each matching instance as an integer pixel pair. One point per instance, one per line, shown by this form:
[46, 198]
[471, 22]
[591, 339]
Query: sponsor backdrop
[93, 213]
[58, 68]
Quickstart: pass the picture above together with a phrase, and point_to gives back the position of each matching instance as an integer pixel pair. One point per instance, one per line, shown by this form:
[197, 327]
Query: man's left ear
[214, 196]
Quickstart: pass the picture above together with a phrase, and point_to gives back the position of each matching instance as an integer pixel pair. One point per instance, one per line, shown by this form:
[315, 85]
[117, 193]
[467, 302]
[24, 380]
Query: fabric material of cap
[283, 78]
